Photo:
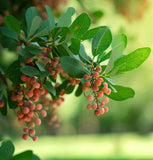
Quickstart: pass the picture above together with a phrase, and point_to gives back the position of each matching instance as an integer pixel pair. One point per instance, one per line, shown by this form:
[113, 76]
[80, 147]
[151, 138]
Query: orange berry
[23, 78]
[36, 85]
[1, 104]
[29, 93]
[25, 136]
[108, 91]
[22, 64]
[43, 113]
[32, 106]
[100, 79]
[38, 121]
[89, 107]
[106, 109]
[39, 106]
[94, 106]
[53, 118]
[105, 84]
[20, 103]
[105, 89]
[84, 88]
[90, 97]
[106, 100]
[87, 84]
[96, 75]
[78, 81]
[19, 97]
[31, 114]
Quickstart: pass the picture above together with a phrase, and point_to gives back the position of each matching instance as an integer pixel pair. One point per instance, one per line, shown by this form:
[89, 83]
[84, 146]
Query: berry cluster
[94, 82]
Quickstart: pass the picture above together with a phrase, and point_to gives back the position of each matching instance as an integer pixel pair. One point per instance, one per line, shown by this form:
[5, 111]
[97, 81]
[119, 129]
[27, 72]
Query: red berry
[33, 79]
[95, 88]
[84, 88]
[97, 83]
[36, 91]
[98, 69]
[31, 114]
[28, 60]
[62, 92]
[101, 110]
[97, 113]
[106, 100]
[86, 77]
[19, 97]
[106, 109]
[32, 131]
[20, 103]
[35, 98]
[108, 91]
[35, 138]
[96, 75]
[25, 136]
[1, 104]
[14, 98]
[102, 104]
[105, 84]
[20, 115]
[87, 84]
[26, 129]
[94, 106]
[25, 110]
[99, 94]
[24, 78]
[90, 97]
[100, 79]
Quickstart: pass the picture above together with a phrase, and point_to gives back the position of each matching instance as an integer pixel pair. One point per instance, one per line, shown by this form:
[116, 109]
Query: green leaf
[12, 104]
[78, 91]
[6, 150]
[65, 19]
[29, 71]
[27, 155]
[3, 110]
[44, 74]
[12, 23]
[90, 33]
[36, 21]
[69, 89]
[80, 25]
[30, 14]
[119, 43]
[73, 67]
[48, 85]
[13, 72]
[101, 41]
[34, 157]
[130, 61]
[103, 57]
[75, 46]
[122, 93]
[41, 66]
[8, 33]
[51, 18]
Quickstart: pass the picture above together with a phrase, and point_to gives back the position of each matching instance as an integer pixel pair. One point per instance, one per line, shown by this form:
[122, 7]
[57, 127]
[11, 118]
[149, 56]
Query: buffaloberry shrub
[52, 61]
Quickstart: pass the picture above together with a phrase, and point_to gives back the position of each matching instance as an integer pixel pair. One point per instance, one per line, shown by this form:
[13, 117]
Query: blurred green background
[125, 132]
